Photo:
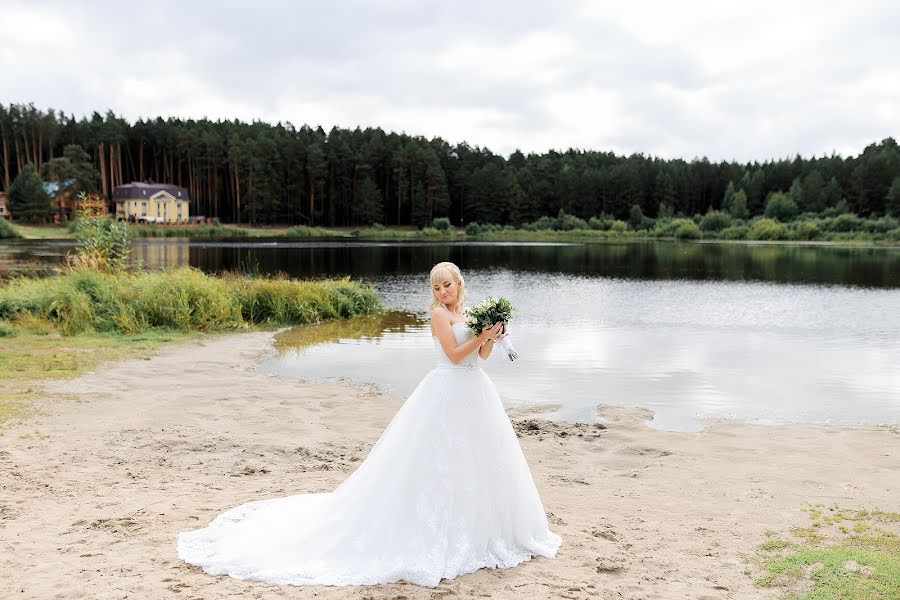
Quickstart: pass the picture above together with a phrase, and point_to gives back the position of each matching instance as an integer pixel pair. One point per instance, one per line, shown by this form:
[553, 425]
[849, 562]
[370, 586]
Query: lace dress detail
[444, 491]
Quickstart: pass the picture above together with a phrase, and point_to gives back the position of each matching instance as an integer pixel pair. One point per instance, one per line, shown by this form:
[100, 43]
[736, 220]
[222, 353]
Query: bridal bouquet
[489, 312]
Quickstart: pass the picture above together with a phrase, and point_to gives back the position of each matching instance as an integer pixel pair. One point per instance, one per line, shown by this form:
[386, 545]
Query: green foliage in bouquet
[489, 312]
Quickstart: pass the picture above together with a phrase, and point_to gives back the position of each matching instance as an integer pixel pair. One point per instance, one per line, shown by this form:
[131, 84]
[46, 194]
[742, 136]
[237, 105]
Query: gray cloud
[673, 80]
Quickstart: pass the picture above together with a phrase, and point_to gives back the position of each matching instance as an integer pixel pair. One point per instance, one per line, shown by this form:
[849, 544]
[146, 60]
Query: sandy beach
[96, 486]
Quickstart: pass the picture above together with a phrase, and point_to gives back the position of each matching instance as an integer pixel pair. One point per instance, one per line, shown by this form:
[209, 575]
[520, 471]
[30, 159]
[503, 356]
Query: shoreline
[400, 235]
[119, 460]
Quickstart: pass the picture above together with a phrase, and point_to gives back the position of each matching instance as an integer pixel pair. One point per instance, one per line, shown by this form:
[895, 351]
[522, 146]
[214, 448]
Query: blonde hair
[442, 272]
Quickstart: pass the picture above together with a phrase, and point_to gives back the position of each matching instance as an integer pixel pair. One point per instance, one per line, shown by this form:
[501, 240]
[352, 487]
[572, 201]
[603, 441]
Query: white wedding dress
[444, 491]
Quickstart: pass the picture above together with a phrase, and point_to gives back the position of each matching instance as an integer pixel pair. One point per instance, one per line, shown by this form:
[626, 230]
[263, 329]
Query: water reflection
[367, 328]
[847, 265]
[749, 331]
[685, 350]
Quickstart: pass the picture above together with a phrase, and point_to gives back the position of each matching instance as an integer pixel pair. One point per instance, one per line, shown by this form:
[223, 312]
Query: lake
[766, 333]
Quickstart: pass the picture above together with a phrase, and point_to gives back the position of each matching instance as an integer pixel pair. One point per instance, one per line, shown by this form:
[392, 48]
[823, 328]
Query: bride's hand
[505, 331]
[490, 333]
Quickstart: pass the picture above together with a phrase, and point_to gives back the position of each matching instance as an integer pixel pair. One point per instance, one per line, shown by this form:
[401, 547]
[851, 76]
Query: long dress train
[444, 491]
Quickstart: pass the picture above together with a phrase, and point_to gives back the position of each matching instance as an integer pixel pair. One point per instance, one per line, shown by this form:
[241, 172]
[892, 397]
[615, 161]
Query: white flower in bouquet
[488, 313]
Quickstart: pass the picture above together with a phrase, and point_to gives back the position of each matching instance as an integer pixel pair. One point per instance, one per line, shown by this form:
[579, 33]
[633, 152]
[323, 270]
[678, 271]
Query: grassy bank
[41, 232]
[847, 554]
[845, 228]
[229, 231]
[61, 326]
[183, 299]
[44, 232]
[841, 229]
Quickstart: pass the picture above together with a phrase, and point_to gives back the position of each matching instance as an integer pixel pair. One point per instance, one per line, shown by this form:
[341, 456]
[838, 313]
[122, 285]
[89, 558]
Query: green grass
[31, 350]
[142, 230]
[185, 231]
[385, 234]
[844, 554]
[182, 299]
[732, 234]
[304, 231]
[227, 231]
[43, 232]
[773, 545]
[61, 326]
[819, 231]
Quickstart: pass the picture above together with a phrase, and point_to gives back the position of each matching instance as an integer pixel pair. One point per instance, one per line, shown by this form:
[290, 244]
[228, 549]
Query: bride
[444, 491]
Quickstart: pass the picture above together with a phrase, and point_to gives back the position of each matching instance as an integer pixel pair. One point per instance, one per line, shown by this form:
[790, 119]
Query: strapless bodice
[462, 333]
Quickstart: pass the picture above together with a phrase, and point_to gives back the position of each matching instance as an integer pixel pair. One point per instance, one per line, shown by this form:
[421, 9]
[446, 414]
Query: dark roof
[138, 190]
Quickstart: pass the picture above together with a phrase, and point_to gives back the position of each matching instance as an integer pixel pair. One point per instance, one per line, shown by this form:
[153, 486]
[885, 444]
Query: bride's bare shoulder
[440, 315]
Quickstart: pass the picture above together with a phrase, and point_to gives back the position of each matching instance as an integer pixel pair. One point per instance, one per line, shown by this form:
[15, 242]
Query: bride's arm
[488, 344]
[440, 325]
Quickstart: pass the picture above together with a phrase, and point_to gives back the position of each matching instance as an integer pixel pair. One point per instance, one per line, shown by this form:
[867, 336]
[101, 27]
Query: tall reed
[183, 299]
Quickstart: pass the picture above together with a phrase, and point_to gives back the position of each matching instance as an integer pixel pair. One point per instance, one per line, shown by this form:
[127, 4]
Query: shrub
[430, 232]
[473, 229]
[687, 230]
[838, 209]
[715, 220]
[882, 225]
[442, 224]
[781, 206]
[567, 222]
[735, 232]
[618, 226]
[768, 229]
[103, 244]
[545, 223]
[667, 227]
[842, 223]
[635, 217]
[805, 230]
[7, 230]
[600, 223]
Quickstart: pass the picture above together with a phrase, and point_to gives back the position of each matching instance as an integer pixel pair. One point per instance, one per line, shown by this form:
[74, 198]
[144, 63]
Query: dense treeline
[262, 173]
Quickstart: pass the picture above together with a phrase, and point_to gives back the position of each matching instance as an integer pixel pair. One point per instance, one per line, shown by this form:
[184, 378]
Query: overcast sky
[763, 80]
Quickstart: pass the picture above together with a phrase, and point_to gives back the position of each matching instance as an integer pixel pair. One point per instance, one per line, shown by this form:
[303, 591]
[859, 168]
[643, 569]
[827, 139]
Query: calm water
[854, 266]
[764, 333]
